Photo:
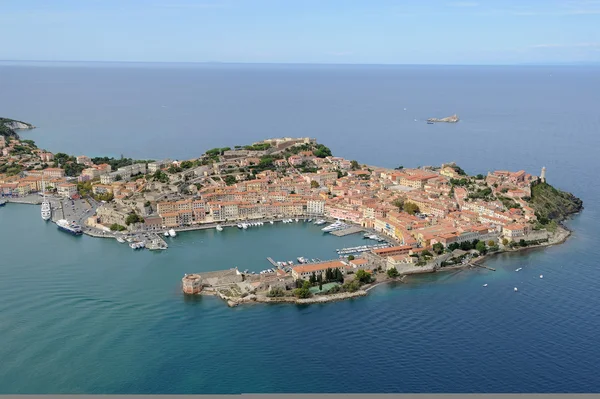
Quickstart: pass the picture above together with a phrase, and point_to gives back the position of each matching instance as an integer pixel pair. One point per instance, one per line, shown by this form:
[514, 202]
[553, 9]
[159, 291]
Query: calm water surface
[83, 315]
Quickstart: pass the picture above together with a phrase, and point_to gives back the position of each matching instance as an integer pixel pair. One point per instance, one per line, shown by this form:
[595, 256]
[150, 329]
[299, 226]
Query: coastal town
[424, 219]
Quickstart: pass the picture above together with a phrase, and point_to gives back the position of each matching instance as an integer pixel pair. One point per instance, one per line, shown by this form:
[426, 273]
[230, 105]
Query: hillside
[8, 127]
[552, 204]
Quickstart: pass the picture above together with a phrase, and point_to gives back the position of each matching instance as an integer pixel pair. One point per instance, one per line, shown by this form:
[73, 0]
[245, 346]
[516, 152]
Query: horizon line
[549, 63]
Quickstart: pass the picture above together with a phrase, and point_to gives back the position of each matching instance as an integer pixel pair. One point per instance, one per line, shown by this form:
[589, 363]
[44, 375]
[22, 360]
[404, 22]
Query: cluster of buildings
[332, 187]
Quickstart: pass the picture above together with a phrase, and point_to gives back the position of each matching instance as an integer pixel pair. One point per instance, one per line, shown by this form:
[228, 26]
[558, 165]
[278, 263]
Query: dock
[360, 249]
[271, 261]
[347, 232]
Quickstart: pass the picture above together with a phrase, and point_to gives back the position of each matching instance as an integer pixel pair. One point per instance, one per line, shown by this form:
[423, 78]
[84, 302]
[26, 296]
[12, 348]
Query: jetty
[347, 232]
[361, 248]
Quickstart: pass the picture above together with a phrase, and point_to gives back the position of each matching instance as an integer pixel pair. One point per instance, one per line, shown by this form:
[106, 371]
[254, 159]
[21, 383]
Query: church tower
[543, 175]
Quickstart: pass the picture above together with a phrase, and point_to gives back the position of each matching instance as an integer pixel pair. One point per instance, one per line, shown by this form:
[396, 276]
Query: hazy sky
[302, 31]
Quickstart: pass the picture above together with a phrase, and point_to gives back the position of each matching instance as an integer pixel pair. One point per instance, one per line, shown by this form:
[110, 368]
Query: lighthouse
[543, 175]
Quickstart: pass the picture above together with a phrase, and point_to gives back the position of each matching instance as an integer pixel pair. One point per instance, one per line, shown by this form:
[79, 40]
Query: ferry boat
[70, 228]
[219, 228]
[172, 233]
[2, 202]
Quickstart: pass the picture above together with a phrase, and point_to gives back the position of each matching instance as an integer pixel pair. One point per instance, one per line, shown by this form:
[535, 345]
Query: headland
[423, 220]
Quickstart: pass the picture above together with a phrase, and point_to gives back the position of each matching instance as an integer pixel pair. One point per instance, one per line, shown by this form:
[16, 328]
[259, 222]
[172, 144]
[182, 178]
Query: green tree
[399, 202]
[504, 241]
[314, 184]
[133, 218]
[186, 164]
[363, 276]
[354, 165]
[313, 278]
[351, 257]
[438, 248]
[426, 253]
[230, 180]
[118, 178]
[410, 208]
[481, 248]
[392, 273]
[491, 243]
[304, 291]
[117, 227]
[522, 243]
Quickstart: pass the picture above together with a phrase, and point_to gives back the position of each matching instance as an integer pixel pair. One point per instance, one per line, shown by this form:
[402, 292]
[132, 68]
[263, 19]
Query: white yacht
[335, 226]
[219, 228]
[270, 221]
[166, 233]
[46, 209]
[172, 233]
[244, 226]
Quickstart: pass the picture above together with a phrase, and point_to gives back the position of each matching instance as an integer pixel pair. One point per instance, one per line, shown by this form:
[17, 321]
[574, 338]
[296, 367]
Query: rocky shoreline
[559, 237]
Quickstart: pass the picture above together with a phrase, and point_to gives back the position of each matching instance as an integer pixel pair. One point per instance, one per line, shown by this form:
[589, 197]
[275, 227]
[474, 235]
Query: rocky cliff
[8, 127]
[552, 204]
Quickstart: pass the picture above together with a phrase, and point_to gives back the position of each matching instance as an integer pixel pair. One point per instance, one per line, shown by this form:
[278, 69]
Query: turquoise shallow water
[91, 315]
[83, 315]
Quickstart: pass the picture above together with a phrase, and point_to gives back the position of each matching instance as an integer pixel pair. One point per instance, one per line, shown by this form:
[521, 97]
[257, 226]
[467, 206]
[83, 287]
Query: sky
[302, 31]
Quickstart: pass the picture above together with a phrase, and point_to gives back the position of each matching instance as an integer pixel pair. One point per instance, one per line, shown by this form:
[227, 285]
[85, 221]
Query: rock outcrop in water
[449, 119]
[8, 127]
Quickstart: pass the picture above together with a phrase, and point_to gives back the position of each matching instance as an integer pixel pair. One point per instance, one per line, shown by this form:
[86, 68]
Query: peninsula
[449, 119]
[431, 219]
[8, 127]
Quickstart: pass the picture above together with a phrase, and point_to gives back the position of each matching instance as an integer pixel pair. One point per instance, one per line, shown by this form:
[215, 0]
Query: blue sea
[85, 315]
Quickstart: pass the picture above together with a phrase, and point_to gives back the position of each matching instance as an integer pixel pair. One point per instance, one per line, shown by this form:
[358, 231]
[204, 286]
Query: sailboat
[46, 209]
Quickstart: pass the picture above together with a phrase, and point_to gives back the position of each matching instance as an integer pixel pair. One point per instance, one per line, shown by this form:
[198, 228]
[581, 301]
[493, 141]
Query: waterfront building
[304, 272]
[67, 190]
[191, 284]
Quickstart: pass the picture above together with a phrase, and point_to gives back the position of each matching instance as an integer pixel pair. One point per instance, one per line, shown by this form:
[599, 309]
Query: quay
[347, 232]
[362, 248]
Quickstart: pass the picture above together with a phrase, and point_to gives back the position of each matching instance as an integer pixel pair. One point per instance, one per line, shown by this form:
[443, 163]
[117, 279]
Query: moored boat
[71, 228]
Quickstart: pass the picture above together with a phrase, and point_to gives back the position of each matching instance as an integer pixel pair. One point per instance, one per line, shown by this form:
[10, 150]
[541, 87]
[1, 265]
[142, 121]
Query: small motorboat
[541, 276]
[519, 269]
[485, 285]
[516, 289]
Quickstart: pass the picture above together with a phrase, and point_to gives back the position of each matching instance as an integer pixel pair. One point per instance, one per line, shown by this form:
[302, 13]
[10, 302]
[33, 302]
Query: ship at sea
[71, 228]
[46, 209]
